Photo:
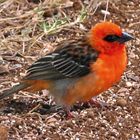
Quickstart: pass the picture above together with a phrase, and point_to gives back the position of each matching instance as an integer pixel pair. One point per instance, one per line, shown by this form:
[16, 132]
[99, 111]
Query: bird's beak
[125, 37]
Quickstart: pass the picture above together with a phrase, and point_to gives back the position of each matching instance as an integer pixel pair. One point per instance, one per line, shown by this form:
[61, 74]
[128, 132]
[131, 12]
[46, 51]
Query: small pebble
[105, 12]
[121, 102]
[128, 84]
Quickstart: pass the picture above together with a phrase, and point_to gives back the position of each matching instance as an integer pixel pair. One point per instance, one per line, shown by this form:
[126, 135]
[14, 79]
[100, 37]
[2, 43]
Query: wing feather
[70, 61]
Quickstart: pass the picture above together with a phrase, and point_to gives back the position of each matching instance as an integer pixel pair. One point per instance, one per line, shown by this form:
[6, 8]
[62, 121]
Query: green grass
[58, 23]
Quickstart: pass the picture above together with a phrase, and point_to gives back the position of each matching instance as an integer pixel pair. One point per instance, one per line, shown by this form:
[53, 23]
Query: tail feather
[13, 90]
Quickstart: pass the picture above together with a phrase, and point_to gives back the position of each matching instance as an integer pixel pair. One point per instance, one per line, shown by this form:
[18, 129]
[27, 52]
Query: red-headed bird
[79, 69]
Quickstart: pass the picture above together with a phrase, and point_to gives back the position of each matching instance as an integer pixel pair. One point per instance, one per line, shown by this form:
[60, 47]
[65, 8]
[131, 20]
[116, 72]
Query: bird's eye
[111, 38]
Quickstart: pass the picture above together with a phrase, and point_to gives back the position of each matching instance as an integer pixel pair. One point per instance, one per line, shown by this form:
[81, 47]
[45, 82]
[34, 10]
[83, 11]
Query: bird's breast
[108, 69]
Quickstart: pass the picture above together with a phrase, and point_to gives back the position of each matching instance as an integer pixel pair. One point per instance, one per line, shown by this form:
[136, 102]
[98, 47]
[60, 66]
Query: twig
[107, 3]
[35, 108]
[19, 17]
[134, 24]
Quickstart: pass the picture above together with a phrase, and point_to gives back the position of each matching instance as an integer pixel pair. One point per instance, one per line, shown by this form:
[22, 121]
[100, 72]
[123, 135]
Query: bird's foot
[94, 102]
[61, 110]
[68, 113]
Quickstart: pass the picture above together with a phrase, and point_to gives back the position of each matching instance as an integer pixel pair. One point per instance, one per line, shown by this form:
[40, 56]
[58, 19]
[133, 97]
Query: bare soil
[26, 36]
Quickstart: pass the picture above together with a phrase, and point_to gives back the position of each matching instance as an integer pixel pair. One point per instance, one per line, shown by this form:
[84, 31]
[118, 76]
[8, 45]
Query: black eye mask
[111, 38]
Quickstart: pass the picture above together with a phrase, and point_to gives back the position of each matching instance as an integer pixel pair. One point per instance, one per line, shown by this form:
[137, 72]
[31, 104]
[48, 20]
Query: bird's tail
[13, 90]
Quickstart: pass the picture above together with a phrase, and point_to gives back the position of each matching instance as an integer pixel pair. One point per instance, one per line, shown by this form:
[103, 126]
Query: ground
[29, 30]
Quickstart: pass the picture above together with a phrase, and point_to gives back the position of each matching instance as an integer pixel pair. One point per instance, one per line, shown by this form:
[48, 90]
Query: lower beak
[125, 37]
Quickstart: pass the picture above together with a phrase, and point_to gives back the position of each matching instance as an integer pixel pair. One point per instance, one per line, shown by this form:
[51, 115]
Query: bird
[81, 68]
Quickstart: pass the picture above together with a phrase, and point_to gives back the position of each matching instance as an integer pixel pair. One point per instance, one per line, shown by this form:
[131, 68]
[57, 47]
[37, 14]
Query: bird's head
[107, 37]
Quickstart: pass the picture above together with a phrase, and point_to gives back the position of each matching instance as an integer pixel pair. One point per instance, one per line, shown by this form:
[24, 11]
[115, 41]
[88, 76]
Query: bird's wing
[70, 60]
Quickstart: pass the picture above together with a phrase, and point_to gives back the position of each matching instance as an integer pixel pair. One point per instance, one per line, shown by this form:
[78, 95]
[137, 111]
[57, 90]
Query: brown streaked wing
[70, 61]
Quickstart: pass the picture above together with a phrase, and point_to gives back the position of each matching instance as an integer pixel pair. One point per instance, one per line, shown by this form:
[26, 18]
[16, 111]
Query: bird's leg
[63, 110]
[68, 113]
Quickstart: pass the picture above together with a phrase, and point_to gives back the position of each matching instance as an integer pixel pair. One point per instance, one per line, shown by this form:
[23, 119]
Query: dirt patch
[30, 29]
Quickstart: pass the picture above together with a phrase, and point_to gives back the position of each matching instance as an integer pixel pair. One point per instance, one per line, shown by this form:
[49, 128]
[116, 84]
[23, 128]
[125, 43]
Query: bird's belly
[84, 89]
[68, 91]
[59, 89]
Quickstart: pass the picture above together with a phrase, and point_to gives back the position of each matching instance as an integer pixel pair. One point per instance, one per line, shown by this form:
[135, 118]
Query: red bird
[79, 69]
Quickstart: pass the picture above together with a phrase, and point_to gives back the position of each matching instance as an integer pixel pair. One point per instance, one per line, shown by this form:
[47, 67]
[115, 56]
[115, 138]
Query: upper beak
[125, 37]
